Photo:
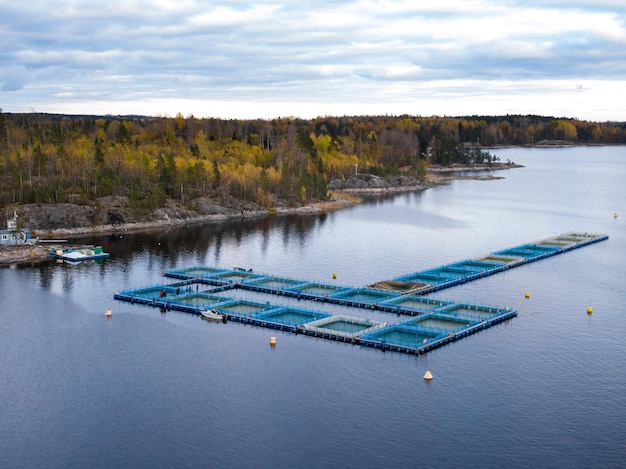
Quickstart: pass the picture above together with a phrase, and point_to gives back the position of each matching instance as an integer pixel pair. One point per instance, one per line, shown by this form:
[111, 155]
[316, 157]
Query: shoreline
[33, 254]
[340, 199]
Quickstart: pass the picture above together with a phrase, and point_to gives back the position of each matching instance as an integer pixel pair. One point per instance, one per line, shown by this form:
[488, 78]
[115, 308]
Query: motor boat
[213, 315]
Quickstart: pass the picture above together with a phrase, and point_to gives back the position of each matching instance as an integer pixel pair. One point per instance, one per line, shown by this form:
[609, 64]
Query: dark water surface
[146, 389]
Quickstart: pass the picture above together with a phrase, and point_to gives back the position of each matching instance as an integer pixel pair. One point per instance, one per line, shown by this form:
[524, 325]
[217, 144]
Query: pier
[428, 323]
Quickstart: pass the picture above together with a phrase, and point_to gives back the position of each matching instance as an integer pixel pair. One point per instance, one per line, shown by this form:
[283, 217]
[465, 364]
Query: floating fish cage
[234, 276]
[472, 312]
[153, 292]
[479, 265]
[397, 287]
[447, 272]
[243, 307]
[441, 324]
[202, 300]
[416, 303]
[499, 260]
[419, 277]
[290, 316]
[194, 272]
[346, 326]
[528, 250]
[558, 243]
[273, 283]
[576, 237]
[317, 289]
[362, 295]
[566, 240]
[403, 335]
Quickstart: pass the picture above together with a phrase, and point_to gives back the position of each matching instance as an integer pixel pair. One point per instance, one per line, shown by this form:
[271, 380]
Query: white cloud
[225, 15]
[444, 57]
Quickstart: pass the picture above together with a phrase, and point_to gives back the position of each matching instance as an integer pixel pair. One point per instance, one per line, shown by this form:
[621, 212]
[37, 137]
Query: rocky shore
[27, 255]
[52, 223]
[110, 215]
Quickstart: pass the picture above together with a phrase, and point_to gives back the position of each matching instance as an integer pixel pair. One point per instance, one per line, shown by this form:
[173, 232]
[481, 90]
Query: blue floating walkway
[433, 323]
[440, 278]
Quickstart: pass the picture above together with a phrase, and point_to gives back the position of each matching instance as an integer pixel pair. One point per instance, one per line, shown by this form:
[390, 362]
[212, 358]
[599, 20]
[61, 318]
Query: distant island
[96, 172]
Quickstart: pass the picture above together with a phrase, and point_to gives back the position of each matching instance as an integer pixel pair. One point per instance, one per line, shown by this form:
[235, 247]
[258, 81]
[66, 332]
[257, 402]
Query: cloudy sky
[237, 59]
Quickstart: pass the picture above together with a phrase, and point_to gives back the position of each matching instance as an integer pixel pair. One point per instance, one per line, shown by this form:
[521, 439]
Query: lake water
[147, 389]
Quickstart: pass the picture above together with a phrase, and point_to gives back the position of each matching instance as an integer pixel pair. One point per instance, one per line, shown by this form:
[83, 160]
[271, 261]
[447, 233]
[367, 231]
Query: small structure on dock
[14, 235]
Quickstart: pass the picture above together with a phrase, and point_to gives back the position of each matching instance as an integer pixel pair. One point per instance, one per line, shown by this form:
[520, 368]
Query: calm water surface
[145, 389]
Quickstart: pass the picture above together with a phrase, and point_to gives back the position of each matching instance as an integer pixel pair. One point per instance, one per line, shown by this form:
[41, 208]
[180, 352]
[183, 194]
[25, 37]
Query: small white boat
[213, 315]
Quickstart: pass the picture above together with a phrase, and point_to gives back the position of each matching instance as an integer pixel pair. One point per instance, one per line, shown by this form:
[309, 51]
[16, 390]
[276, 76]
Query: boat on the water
[213, 315]
[75, 255]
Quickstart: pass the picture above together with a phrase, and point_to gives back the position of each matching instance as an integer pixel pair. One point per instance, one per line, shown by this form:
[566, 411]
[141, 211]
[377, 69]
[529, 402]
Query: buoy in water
[615, 215]
[334, 276]
[527, 294]
[272, 340]
[108, 313]
[428, 376]
[589, 310]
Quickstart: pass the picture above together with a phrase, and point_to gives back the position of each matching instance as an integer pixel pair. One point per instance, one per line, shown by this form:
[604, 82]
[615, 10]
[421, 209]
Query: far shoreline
[339, 199]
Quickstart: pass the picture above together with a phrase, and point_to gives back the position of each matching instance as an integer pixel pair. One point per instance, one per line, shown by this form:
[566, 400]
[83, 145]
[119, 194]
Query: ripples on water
[149, 389]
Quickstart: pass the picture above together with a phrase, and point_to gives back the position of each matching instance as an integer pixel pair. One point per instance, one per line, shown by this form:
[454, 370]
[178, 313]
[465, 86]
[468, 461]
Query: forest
[47, 158]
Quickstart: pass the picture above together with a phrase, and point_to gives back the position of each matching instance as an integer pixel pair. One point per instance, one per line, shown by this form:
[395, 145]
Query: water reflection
[63, 360]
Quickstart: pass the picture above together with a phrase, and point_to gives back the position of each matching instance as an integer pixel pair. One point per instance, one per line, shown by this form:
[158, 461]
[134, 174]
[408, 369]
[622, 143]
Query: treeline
[58, 158]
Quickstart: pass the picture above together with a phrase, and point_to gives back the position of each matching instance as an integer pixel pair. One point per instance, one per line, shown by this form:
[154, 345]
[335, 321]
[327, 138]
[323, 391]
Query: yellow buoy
[527, 294]
[335, 276]
[589, 310]
[615, 215]
[272, 340]
[108, 313]
[428, 376]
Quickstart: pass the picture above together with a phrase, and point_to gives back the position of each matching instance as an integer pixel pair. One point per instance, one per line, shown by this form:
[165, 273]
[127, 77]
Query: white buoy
[108, 313]
[428, 376]
[272, 340]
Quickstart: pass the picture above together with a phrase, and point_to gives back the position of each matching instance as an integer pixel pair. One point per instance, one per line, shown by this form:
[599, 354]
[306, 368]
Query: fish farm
[429, 323]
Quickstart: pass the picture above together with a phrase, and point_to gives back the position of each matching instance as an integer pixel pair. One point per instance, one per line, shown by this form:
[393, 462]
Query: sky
[280, 58]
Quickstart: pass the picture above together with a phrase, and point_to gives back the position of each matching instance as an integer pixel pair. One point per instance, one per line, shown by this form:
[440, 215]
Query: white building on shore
[14, 235]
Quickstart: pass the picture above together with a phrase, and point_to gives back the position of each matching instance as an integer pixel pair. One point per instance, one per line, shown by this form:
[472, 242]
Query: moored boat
[80, 254]
[213, 315]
